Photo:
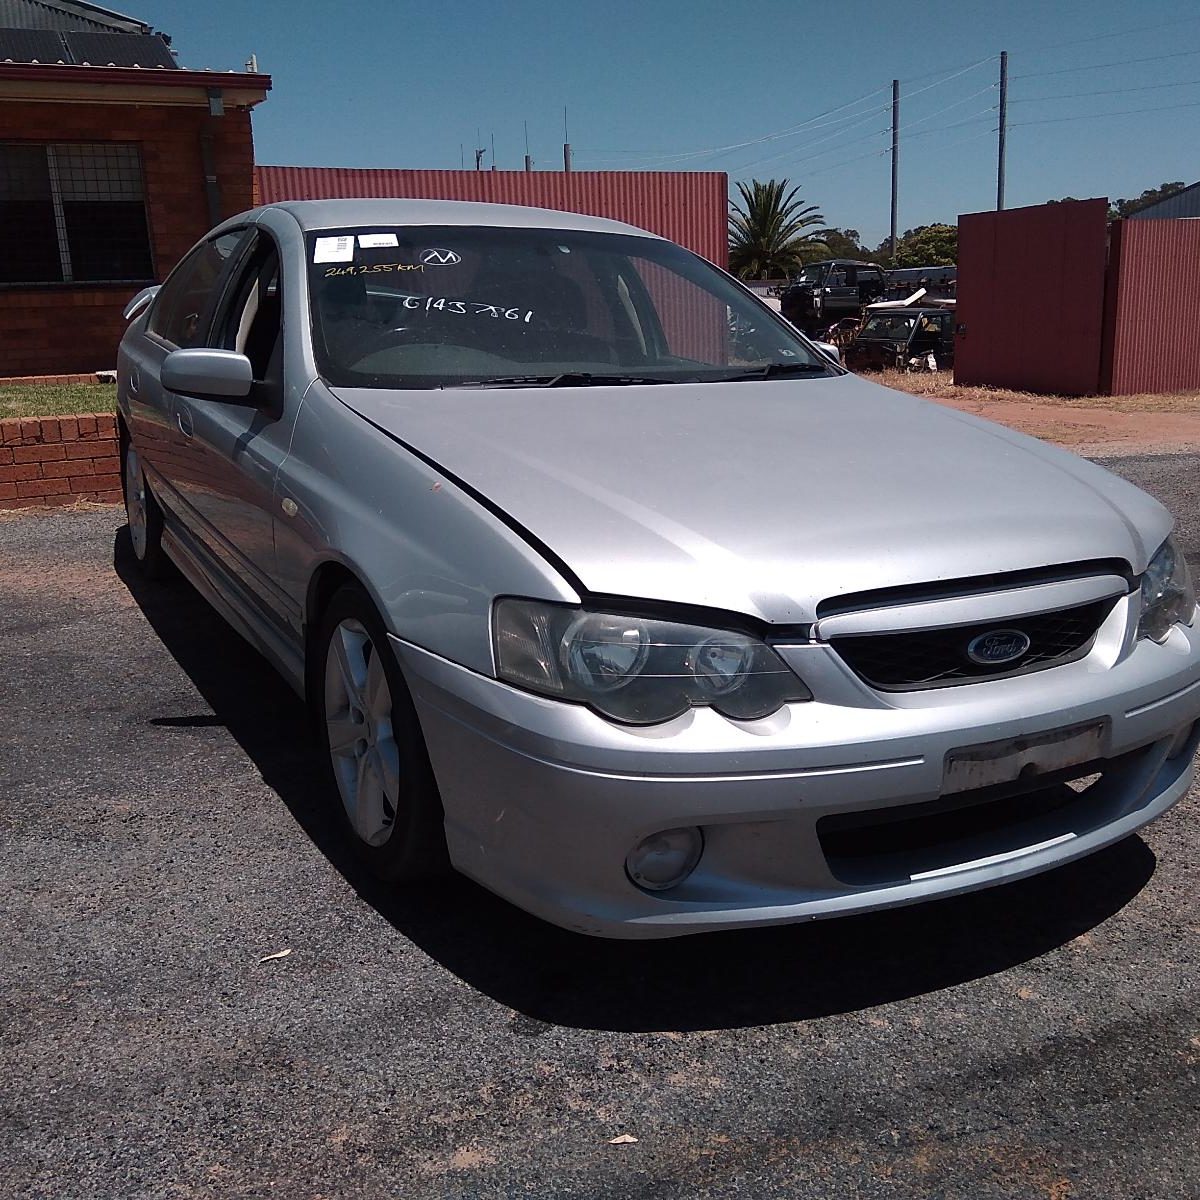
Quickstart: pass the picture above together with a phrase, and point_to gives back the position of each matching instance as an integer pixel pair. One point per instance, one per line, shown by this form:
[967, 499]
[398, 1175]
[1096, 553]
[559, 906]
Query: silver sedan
[616, 594]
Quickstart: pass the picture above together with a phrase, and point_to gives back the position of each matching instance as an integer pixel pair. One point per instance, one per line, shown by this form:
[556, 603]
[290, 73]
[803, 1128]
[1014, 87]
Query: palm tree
[767, 238]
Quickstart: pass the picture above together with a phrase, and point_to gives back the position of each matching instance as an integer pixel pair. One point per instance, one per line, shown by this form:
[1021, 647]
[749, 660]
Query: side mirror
[829, 351]
[209, 374]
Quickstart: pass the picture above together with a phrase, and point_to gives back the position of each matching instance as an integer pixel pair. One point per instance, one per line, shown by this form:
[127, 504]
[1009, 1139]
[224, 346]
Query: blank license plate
[1019, 758]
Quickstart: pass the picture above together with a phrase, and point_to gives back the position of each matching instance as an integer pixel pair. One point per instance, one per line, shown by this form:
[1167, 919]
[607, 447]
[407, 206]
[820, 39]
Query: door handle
[185, 422]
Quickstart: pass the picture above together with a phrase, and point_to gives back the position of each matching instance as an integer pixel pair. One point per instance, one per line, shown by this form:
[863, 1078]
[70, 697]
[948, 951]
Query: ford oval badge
[998, 647]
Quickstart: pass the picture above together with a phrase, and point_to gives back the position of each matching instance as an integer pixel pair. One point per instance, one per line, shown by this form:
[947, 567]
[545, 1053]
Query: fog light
[664, 860]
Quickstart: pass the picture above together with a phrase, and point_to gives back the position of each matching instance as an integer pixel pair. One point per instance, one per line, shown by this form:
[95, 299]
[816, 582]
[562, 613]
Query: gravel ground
[164, 829]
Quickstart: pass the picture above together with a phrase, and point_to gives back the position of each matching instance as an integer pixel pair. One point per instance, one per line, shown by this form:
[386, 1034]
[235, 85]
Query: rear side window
[181, 310]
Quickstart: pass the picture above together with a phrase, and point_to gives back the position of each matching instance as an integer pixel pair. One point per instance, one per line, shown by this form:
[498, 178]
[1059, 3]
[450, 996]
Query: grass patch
[941, 386]
[56, 399]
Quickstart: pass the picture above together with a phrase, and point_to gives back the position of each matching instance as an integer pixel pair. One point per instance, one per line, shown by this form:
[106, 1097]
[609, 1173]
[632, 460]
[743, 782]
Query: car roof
[336, 214]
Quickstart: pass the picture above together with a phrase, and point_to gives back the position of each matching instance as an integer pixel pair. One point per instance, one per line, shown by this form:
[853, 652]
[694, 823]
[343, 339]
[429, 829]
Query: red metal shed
[688, 207]
[1055, 299]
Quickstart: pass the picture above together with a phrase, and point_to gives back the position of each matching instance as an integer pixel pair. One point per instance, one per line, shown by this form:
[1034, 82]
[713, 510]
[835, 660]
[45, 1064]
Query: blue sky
[400, 83]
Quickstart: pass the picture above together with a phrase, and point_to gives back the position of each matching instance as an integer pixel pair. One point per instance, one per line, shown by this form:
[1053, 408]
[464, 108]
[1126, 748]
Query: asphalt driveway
[165, 828]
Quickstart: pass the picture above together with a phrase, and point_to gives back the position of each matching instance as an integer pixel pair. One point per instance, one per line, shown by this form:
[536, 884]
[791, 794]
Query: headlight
[1167, 595]
[636, 669]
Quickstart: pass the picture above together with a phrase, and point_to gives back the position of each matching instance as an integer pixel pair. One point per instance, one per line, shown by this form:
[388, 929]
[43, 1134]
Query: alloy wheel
[135, 503]
[362, 742]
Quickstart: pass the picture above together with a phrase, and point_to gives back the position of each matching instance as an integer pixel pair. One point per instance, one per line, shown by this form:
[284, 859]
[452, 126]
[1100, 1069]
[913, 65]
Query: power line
[1127, 112]
[801, 150]
[812, 123]
[955, 75]
[1126, 32]
[929, 117]
[1149, 87]
[964, 68]
[713, 150]
[974, 119]
[1125, 62]
[804, 126]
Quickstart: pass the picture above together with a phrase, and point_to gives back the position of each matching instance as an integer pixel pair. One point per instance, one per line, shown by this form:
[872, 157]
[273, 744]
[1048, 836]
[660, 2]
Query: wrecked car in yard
[904, 339]
[649, 628]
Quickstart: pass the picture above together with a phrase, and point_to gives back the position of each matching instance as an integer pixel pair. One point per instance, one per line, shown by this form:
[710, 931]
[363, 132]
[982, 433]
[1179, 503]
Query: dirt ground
[1148, 423]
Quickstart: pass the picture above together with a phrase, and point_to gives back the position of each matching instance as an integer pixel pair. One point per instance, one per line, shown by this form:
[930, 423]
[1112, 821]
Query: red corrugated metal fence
[1154, 290]
[1030, 308]
[687, 207]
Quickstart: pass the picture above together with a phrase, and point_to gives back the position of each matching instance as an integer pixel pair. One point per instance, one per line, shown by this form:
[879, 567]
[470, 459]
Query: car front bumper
[544, 800]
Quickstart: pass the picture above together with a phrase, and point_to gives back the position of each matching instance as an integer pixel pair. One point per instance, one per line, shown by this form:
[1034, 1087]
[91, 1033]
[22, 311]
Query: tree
[767, 230]
[846, 243]
[925, 246]
[1126, 208]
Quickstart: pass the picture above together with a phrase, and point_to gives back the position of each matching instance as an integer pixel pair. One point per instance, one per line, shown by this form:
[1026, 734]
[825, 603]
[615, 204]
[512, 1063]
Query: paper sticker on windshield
[376, 241]
[334, 249]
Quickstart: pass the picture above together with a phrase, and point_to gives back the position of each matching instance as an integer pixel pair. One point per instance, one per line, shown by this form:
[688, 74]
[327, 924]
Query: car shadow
[548, 976]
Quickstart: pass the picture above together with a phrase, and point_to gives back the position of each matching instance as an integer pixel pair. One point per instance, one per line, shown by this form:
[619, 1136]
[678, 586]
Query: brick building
[113, 161]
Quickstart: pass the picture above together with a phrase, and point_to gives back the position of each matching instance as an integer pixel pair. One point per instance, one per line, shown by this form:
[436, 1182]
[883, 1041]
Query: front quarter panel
[432, 556]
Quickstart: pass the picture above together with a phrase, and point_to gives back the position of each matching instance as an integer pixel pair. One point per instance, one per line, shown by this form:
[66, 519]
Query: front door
[235, 450]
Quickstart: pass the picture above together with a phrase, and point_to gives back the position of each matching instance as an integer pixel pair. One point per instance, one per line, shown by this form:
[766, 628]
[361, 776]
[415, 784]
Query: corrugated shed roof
[91, 48]
[1185, 203]
[687, 207]
[66, 15]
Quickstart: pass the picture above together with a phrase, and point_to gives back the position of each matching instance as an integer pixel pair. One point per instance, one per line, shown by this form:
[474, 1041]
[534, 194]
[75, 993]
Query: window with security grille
[75, 212]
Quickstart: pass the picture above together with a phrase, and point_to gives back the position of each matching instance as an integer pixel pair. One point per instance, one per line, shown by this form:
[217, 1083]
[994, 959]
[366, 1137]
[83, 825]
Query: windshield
[810, 274]
[893, 326]
[462, 306]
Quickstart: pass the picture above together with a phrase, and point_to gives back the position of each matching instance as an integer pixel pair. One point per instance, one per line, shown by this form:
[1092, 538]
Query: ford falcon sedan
[613, 592]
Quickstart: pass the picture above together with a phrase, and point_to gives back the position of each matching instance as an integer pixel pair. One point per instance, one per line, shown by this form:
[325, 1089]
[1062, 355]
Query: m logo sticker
[436, 257]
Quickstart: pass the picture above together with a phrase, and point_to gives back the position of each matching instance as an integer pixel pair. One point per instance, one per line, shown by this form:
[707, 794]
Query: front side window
[452, 306]
[182, 309]
[75, 212]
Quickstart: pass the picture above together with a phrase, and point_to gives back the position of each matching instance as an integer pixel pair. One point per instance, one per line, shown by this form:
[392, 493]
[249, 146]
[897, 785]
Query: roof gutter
[65, 83]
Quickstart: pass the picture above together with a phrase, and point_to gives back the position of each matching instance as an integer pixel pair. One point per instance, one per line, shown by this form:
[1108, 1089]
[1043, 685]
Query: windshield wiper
[563, 379]
[777, 370]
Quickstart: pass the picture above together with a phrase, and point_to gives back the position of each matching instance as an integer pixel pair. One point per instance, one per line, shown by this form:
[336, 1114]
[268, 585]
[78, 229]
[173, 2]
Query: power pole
[1003, 130]
[895, 161]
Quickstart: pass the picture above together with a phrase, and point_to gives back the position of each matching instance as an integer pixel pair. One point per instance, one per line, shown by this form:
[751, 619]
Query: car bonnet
[767, 497]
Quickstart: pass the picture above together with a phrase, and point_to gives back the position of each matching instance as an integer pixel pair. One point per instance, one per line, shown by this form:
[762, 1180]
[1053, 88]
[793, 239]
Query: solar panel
[119, 49]
[32, 45]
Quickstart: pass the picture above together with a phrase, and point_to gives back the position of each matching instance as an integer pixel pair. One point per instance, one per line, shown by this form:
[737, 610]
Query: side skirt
[216, 587]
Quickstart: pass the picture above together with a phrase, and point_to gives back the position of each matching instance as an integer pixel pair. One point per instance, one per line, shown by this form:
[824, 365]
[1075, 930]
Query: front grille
[898, 662]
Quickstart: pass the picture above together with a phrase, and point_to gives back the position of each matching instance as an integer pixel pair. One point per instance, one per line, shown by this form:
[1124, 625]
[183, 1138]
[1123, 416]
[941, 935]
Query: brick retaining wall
[59, 460]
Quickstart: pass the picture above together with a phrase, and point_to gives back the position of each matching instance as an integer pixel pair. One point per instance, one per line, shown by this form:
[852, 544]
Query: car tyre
[144, 516]
[388, 797]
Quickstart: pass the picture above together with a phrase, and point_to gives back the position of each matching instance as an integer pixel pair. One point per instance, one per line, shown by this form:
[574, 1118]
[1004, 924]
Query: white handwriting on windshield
[467, 308]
